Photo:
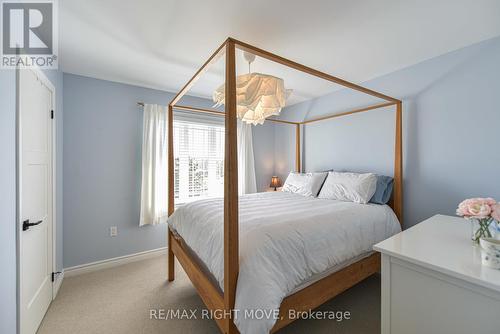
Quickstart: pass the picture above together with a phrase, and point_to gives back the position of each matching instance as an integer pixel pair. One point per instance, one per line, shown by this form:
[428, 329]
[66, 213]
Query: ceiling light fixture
[258, 95]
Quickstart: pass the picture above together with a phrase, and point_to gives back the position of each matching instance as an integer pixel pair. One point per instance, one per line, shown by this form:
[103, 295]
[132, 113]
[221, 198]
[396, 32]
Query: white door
[35, 199]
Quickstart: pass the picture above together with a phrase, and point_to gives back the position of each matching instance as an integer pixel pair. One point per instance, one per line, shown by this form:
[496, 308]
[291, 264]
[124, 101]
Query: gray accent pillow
[383, 191]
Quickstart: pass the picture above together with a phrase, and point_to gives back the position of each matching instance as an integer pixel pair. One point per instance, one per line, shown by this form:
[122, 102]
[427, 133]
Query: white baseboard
[57, 284]
[113, 262]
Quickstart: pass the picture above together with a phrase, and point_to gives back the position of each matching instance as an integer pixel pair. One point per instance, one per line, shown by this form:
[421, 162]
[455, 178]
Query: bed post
[398, 164]
[170, 147]
[231, 241]
[297, 148]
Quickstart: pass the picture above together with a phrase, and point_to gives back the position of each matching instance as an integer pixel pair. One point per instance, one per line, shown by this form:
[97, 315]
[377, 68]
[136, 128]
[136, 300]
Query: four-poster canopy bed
[313, 295]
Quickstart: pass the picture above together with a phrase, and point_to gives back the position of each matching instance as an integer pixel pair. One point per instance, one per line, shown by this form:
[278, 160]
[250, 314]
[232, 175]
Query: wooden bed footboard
[304, 300]
[325, 289]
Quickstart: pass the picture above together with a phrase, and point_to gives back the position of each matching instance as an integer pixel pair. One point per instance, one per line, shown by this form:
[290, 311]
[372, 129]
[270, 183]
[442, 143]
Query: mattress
[287, 242]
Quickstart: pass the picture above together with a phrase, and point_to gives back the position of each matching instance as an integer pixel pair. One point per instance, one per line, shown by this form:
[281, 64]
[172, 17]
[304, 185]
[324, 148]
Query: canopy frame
[315, 294]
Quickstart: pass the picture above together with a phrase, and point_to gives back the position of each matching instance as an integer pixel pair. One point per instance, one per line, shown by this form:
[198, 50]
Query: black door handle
[27, 224]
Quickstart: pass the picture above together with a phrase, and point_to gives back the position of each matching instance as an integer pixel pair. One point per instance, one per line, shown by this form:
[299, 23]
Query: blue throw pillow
[384, 190]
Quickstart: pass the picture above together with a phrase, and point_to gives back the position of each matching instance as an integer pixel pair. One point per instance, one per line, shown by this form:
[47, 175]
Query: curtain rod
[209, 111]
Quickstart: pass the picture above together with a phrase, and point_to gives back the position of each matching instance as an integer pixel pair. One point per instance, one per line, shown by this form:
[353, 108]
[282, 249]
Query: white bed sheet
[287, 241]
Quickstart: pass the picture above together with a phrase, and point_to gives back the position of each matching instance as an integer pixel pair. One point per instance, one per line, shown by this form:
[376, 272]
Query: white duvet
[286, 241]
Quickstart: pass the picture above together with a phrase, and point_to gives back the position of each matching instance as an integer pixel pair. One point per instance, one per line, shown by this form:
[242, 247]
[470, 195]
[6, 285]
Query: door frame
[45, 80]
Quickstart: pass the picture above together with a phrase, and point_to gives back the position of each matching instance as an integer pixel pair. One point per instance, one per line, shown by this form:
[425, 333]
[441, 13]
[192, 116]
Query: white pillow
[307, 184]
[353, 187]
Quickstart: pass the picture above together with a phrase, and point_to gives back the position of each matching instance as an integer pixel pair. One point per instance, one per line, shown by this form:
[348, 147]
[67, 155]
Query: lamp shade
[258, 96]
[275, 182]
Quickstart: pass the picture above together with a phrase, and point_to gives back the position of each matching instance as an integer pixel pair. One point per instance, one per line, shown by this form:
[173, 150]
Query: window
[199, 160]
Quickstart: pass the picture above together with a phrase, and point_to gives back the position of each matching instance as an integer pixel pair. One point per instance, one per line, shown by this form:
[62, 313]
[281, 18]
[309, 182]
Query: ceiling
[161, 43]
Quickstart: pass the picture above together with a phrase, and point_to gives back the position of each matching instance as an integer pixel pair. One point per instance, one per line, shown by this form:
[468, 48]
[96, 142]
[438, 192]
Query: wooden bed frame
[314, 295]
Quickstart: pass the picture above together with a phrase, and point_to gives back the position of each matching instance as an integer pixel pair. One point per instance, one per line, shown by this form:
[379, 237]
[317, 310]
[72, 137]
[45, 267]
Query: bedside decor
[275, 182]
[490, 252]
[482, 212]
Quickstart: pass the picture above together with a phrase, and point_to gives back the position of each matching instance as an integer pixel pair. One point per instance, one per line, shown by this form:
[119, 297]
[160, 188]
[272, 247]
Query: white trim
[54, 183]
[113, 262]
[57, 284]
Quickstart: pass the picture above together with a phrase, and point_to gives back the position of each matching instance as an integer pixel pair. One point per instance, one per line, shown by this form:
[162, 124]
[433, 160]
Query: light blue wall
[263, 147]
[102, 168]
[284, 148]
[8, 201]
[451, 136]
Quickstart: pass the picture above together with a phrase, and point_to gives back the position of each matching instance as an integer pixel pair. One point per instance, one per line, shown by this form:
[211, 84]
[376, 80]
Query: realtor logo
[29, 34]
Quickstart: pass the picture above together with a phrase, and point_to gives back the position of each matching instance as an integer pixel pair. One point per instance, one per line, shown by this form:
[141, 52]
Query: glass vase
[482, 228]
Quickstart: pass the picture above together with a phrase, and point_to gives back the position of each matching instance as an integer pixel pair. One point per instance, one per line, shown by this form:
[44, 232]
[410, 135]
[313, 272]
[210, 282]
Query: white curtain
[154, 187]
[246, 164]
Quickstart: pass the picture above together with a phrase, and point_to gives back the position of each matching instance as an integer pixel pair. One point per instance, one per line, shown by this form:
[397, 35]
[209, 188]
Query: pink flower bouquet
[483, 211]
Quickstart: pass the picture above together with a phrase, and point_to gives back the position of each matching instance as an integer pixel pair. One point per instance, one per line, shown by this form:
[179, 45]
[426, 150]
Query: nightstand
[433, 281]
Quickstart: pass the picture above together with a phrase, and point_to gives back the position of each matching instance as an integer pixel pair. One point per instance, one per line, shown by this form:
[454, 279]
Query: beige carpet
[118, 300]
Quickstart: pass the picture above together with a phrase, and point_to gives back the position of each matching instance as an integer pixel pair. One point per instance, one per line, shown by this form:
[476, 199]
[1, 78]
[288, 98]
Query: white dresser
[433, 281]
